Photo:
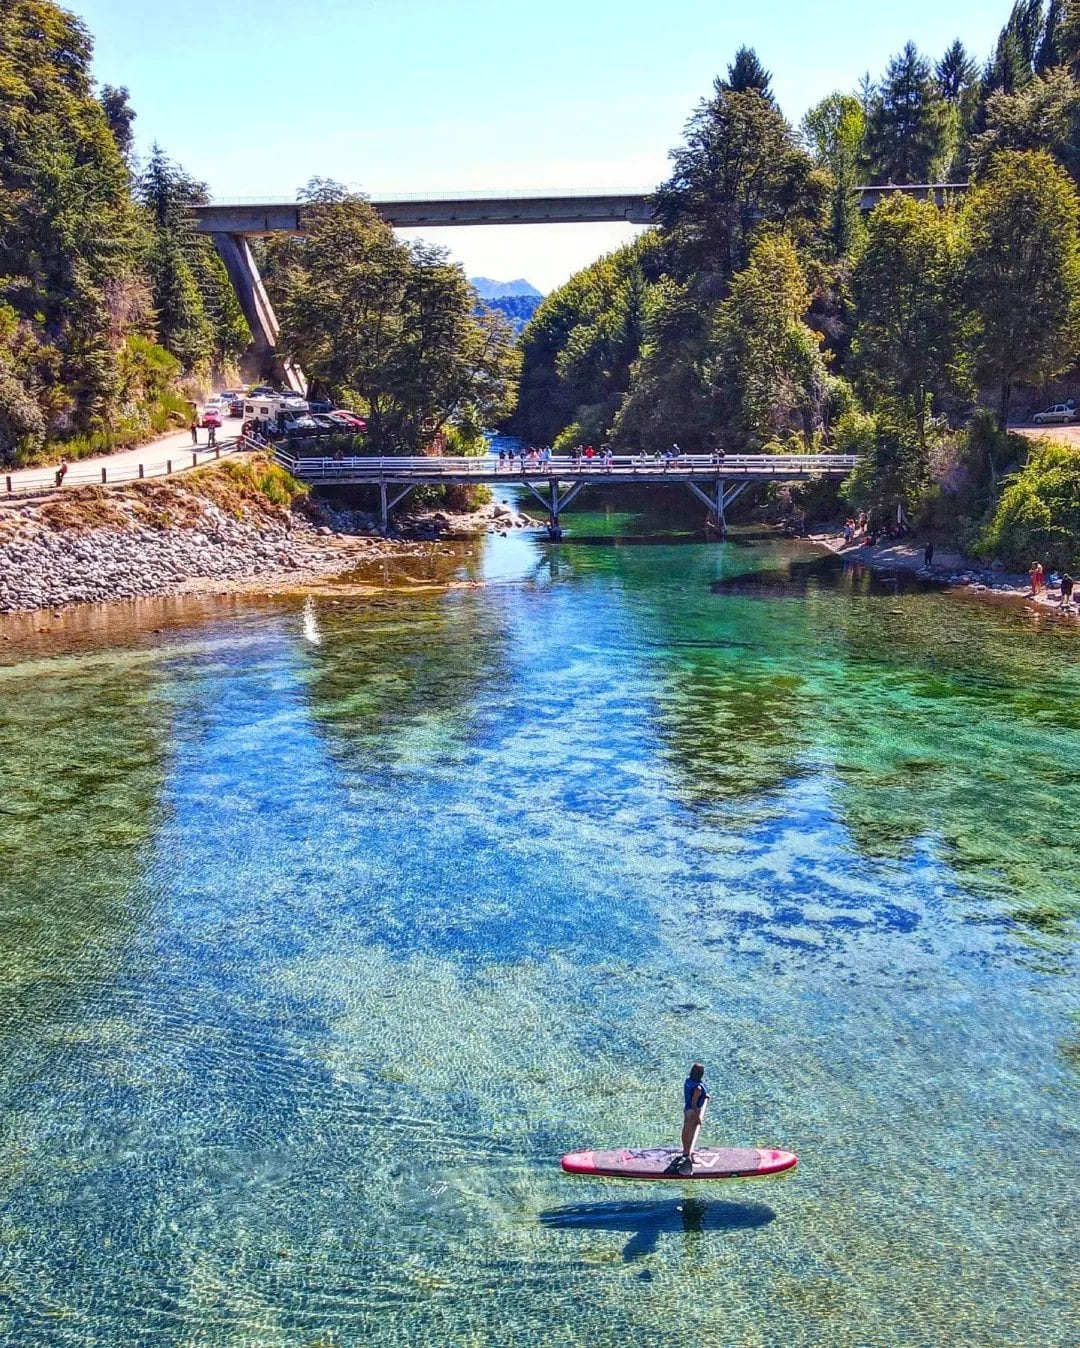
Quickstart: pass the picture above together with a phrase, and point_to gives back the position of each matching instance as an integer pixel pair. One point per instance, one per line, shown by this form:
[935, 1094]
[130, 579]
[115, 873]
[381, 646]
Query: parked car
[1060, 412]
[320, 405]
[210, 416]
[348, 419]
[324, 422]
[300, 425]
[236, 406]
[262, 391]
[292, 402]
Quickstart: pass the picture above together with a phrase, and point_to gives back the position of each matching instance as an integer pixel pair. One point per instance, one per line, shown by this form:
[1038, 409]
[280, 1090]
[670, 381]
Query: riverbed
[329, 922]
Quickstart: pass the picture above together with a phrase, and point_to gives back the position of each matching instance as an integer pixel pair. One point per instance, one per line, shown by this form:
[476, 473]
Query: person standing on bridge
[609, 459]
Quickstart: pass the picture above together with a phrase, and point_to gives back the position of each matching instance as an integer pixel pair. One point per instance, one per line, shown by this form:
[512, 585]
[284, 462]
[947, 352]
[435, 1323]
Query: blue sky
[422, 95]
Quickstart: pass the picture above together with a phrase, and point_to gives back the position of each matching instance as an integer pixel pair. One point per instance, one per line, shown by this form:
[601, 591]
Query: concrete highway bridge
[232, 224]
[716, 480]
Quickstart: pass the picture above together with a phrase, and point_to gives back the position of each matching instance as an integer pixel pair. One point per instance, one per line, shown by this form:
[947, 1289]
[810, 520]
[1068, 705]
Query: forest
[768, 311]
[107, 296]
[115, 313]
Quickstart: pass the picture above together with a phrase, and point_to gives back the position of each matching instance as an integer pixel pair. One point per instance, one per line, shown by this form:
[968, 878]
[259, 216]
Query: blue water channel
[328, 923]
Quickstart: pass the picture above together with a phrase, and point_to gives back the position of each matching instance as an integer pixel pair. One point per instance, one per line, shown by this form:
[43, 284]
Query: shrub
[1038, 515]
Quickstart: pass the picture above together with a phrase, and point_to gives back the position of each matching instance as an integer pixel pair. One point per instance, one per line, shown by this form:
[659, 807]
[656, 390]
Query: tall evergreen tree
[120, 115]
[956, 72]
[1047, 56]
[746, 73]
[739, 170]
[198, 316]
[907, 130]
[70, 238]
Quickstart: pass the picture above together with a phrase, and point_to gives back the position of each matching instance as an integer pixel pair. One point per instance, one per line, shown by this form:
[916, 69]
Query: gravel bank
[90, 544]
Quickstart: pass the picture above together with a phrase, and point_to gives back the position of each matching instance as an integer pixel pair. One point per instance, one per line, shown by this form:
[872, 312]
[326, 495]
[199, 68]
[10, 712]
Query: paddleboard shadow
[646, 1222]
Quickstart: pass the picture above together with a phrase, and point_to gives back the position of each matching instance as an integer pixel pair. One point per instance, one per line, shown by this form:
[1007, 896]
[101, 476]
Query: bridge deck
[637, 468]
[716, 482]
[634, 206]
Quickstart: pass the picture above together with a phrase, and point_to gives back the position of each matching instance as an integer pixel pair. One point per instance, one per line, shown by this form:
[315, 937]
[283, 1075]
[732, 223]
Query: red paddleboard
[661, 1163]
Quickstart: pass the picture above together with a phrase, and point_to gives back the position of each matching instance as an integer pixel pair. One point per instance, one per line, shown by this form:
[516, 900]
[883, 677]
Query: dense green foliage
[1038, 515]
[766, 310]
[83, 292]
[389, 327]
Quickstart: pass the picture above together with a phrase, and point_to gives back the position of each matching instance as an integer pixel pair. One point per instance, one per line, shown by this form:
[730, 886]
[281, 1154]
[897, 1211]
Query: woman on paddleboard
[695, 1103]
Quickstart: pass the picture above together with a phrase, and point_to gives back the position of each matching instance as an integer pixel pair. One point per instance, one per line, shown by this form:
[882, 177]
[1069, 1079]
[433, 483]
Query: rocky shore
[210, 529]
[949, 568]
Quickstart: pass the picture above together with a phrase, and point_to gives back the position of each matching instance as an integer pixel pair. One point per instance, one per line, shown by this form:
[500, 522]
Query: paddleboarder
[695, 1103]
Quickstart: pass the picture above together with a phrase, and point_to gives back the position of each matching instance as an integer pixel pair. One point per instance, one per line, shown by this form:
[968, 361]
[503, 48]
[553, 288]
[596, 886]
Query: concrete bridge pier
[261, 358]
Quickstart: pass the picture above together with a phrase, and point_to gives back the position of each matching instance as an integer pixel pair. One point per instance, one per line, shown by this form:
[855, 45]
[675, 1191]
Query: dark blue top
[691, 1098]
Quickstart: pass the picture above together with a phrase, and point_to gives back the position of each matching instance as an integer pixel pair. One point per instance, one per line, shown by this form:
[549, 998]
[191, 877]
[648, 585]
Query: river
[327, 925]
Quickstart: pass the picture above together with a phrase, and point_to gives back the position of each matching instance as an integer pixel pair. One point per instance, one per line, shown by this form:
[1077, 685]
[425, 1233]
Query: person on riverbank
[695, 1103]
[1066, 590]
[1036, 574]
[928, 555]
[61, 472]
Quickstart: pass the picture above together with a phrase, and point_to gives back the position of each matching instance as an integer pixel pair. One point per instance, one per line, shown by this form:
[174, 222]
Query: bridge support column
[556, 501]
[388, 502]
[718, 504]
[262, 355]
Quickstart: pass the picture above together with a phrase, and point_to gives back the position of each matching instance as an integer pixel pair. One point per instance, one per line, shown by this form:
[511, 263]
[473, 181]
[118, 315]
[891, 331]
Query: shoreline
[214, 532]
[951, 569]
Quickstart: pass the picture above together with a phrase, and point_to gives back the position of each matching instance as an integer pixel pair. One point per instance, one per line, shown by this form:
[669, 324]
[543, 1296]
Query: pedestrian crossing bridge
[715, 479]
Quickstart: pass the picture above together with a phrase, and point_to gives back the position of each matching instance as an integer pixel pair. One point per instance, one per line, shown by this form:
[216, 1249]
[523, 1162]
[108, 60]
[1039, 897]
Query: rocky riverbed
[208, 529]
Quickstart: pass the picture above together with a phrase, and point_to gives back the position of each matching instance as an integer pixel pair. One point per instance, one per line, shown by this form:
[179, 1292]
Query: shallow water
[327, 926]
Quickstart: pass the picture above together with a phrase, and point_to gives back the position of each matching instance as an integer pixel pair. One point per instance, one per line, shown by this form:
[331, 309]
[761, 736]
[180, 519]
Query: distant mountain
[488, 289]
[517, 308]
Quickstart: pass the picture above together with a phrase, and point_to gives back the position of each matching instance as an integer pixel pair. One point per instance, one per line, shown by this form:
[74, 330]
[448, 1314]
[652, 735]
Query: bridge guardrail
[417, 466]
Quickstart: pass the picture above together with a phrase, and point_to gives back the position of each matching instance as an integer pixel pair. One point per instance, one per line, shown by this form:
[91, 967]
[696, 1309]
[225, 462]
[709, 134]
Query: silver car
[1059, 412]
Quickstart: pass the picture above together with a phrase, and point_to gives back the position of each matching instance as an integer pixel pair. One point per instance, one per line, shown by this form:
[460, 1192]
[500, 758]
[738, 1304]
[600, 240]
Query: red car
[210, 416]
[349, 420]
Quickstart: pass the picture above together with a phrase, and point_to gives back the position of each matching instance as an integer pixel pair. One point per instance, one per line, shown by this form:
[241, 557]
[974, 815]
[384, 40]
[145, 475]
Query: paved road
[175, 448]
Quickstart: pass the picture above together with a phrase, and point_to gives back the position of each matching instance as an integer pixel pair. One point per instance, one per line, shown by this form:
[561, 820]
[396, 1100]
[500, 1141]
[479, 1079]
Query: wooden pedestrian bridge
[716, 480]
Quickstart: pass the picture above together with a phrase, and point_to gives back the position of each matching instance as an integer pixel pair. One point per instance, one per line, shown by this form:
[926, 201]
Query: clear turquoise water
[325, 928]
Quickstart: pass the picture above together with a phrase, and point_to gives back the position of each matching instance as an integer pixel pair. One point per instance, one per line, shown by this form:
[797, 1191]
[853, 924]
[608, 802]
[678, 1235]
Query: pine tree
[907, 133]
[956, 72]
[747, 73]
[198, 317]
